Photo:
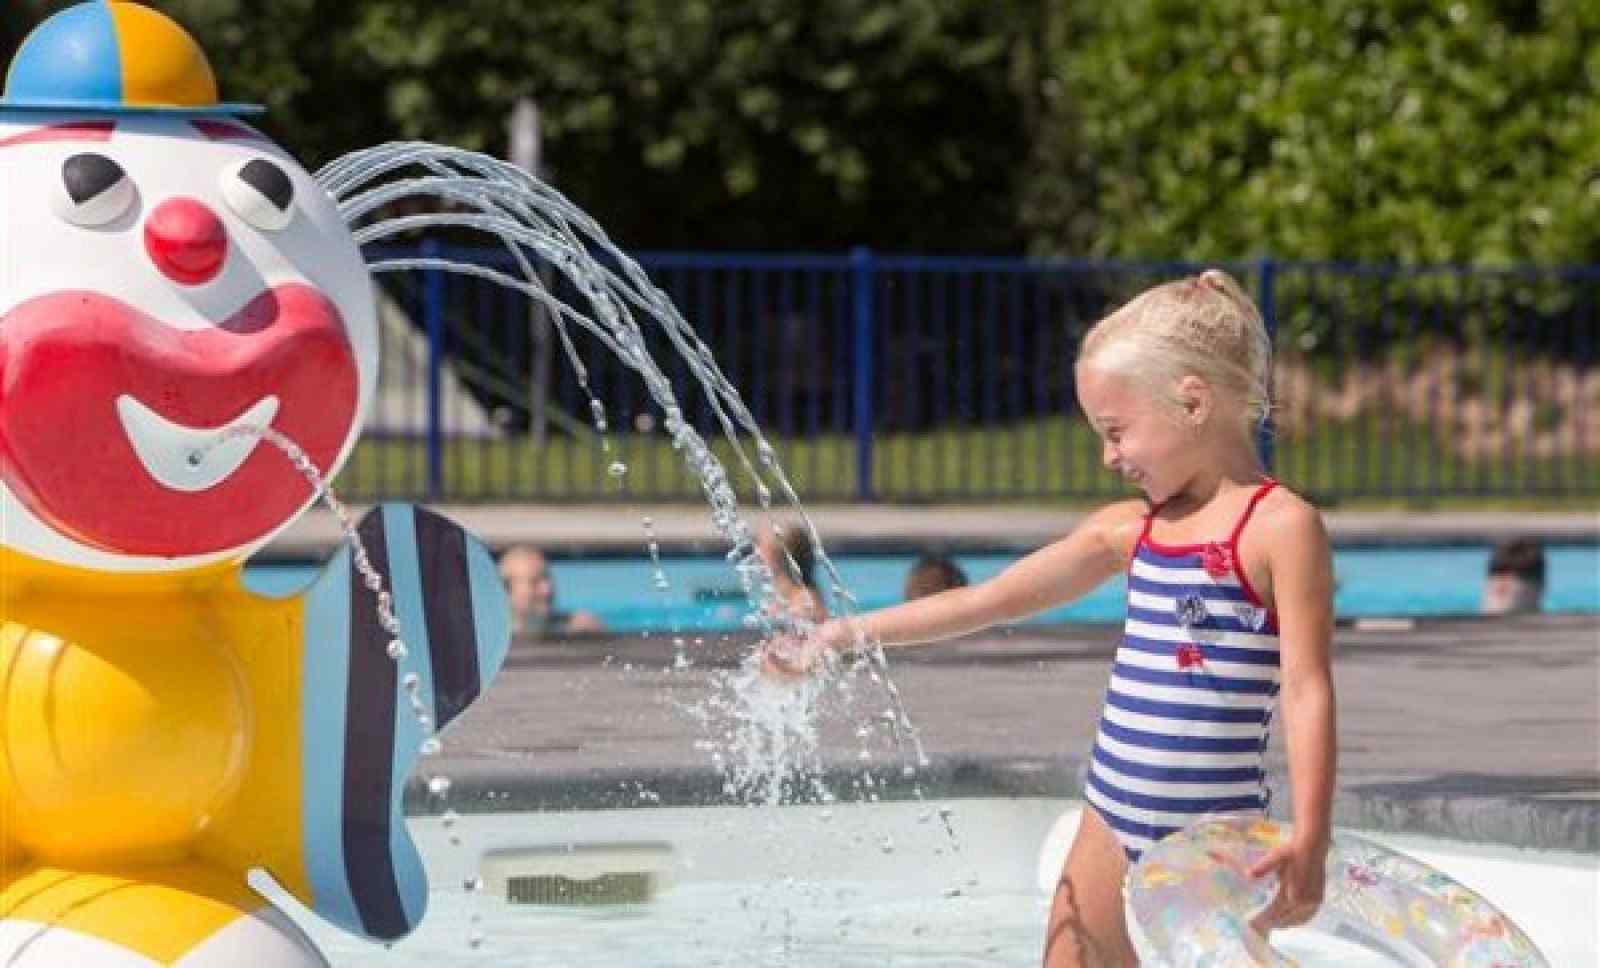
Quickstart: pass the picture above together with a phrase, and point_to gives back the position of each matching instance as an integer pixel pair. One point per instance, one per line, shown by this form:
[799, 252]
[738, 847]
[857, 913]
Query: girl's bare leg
[1087, 929]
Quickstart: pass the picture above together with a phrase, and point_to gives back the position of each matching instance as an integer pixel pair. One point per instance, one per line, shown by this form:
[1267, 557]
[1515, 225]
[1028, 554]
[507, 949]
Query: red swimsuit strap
[1261, 492]
[1150, 520]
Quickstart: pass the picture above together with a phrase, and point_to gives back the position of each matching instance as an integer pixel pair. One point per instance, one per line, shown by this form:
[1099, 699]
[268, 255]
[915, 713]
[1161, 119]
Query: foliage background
[1371, 130]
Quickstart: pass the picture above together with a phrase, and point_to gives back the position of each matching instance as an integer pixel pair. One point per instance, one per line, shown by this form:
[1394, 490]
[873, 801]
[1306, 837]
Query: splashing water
[771, 749]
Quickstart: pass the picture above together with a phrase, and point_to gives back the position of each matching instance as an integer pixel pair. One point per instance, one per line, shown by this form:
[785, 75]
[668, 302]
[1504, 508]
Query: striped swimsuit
[1192, 692]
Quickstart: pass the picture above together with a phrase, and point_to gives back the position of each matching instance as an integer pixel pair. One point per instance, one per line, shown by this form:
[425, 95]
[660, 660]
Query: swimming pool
[850, 885]
[703, 593]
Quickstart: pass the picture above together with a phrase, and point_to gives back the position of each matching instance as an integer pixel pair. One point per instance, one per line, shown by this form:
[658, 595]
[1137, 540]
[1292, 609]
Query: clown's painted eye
[94, 190]
[261, 193]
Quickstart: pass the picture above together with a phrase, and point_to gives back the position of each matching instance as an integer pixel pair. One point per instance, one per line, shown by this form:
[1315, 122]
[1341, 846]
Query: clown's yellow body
[148, 725]
[163, 735]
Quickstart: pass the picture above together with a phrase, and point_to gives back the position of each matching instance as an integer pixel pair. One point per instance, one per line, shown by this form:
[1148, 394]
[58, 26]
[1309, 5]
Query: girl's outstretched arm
[1057, 573]
[1301, 567]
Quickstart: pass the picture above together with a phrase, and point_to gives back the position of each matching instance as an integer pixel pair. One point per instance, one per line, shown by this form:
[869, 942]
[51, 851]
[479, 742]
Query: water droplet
[396, 650]
[439, 786]
[449, 818]
[411, 682]
[617, 469]
[430, 746]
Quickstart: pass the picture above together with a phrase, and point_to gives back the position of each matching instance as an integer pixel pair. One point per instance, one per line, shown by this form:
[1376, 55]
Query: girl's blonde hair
[1204, 326]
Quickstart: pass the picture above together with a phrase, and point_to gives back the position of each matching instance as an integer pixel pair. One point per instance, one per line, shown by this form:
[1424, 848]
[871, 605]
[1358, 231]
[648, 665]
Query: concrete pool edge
[1479, 810]
[590, 529]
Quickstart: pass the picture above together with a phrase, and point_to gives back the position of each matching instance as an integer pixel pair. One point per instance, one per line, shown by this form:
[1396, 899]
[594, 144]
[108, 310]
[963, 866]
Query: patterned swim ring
[1190, 900]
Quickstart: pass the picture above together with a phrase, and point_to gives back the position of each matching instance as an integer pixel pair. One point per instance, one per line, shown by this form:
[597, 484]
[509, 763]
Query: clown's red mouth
[114, 426]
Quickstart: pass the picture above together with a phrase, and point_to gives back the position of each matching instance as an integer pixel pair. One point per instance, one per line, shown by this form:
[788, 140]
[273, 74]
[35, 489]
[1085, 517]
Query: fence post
[1269, 316]
[862, 279]
[433, 308]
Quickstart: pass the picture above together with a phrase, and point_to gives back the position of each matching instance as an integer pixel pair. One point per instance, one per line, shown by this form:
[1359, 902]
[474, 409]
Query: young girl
[1229, 600]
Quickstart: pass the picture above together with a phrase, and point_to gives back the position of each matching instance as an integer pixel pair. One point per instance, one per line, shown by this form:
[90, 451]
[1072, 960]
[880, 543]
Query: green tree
[769, 124]
[772, 124]
[1380, 130]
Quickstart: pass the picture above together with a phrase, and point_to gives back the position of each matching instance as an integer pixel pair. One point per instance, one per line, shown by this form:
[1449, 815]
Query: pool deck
[619, 528]
[1485, 730]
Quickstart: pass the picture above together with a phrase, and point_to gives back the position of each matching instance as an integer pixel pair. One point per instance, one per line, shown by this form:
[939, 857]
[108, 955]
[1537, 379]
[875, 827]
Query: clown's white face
[163, 280]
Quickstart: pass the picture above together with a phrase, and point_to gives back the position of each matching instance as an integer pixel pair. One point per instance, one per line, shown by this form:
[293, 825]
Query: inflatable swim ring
[1190, 900]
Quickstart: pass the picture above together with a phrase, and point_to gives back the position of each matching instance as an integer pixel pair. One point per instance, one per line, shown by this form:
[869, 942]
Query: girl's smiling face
[1146, 441]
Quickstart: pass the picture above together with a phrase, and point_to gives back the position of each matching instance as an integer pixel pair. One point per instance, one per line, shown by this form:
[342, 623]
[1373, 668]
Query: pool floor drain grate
[578, 875]
[634, 887]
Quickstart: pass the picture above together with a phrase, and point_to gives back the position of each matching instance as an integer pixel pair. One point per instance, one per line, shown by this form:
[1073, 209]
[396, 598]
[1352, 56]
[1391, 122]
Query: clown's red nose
[186, 241]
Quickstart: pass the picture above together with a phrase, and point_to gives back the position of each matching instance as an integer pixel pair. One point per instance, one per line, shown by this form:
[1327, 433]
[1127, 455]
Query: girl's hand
[789, 657]
[794, 656]
[1301, 867]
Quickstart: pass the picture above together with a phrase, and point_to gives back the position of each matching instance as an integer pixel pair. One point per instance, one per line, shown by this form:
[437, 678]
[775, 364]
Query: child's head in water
[1177, 379]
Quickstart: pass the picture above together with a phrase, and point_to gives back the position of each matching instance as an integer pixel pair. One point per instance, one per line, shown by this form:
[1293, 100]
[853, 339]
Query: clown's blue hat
[114, 57]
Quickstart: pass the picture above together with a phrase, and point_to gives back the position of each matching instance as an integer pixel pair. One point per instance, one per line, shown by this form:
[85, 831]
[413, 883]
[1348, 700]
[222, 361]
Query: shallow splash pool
[947, 884]
[703, 594]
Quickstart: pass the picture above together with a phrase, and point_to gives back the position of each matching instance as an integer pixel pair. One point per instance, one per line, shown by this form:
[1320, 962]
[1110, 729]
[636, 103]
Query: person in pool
[1229, 601]
[787, 552]
[1515, 584]
[533, 595]
[933, 574]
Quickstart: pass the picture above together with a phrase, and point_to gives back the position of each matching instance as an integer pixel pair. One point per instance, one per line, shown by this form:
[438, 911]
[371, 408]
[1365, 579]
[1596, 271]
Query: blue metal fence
[912, 378]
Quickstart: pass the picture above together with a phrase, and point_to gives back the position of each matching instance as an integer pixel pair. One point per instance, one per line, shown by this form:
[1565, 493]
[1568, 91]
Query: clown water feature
[172, 285]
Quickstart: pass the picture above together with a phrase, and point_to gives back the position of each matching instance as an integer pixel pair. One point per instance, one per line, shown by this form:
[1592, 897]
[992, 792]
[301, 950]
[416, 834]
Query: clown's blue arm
[360, 734]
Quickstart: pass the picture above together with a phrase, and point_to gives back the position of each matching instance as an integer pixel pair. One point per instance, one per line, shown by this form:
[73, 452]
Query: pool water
[858, 885]
[703, 592]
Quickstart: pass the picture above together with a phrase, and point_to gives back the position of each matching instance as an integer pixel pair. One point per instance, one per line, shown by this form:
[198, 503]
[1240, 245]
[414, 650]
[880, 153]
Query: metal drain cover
[578, 874]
